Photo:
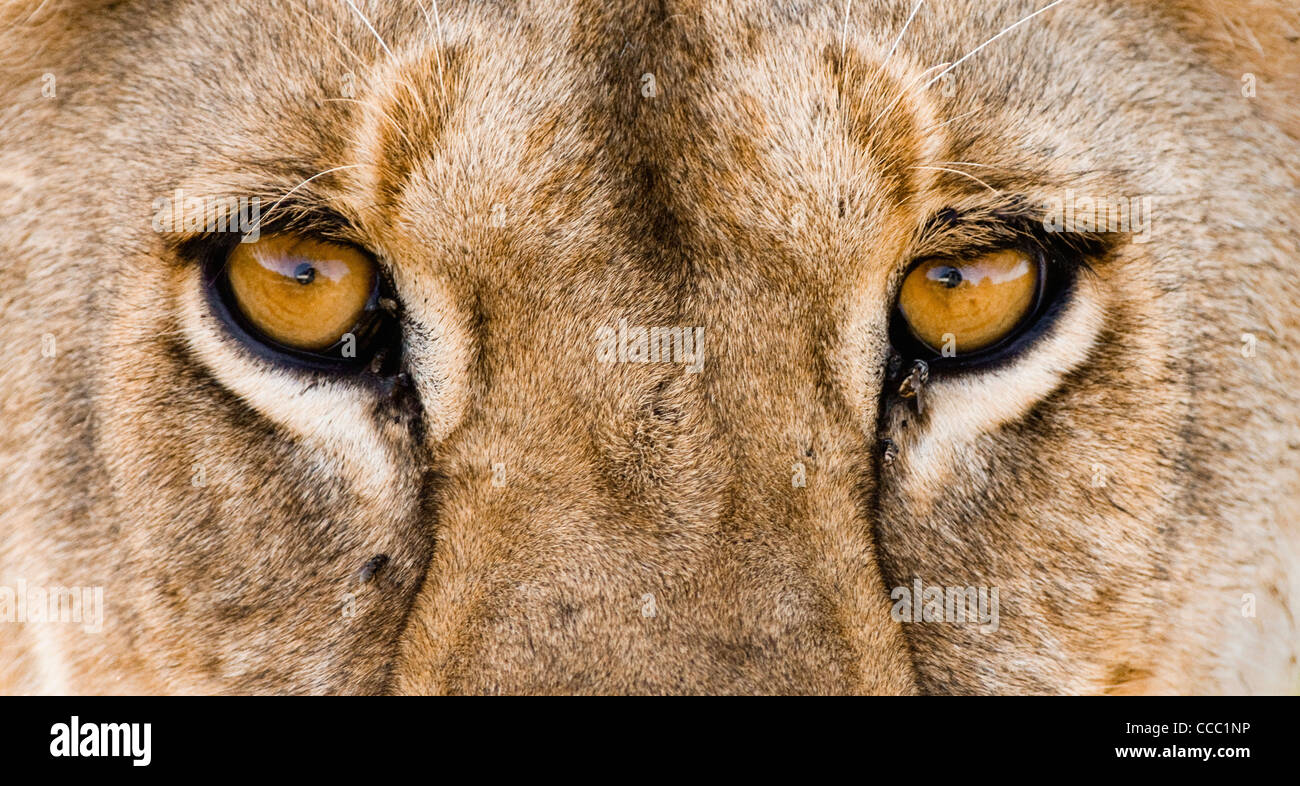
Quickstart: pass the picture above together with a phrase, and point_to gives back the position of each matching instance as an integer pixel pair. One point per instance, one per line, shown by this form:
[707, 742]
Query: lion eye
[302, 293]
[967, 305]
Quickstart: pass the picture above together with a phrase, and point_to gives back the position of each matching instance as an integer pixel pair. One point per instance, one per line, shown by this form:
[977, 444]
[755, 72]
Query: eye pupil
[304, 273]
[950, 277]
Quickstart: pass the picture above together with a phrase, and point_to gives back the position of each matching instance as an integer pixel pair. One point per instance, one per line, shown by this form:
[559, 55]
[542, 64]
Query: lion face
[637, 403]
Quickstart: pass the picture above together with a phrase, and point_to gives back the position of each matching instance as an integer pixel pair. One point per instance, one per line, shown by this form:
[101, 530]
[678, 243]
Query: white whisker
[436, 25]
[844, 34]
[392, 122]
[958, 172]
[288, 193]
[1005, 30]
[31, 16]
[901, 95]
[373, 31]
[972, 163]
[906, 25]
[312, 18]
[952, 119]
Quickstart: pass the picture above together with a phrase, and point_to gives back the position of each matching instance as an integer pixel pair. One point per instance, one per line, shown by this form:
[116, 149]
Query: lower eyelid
[963, 406]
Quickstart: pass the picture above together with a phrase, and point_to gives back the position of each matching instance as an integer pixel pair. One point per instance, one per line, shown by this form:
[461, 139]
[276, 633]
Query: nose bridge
[612, 523]
[805, 463]
[610, 520]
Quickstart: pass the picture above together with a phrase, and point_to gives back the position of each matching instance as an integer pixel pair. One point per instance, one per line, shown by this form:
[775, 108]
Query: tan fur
[555, 524]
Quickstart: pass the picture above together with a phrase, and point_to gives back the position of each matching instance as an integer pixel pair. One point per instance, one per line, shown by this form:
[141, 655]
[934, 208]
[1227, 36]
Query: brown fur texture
[549, 523]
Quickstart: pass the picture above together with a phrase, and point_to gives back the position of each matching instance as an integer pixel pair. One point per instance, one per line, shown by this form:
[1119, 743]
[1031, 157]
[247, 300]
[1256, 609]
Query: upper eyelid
[203, 247]
[982, 233]
[303, 213]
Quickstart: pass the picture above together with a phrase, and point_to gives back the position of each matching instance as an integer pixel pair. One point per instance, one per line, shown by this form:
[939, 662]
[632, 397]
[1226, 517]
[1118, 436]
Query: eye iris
[972, 303]
[300, 292]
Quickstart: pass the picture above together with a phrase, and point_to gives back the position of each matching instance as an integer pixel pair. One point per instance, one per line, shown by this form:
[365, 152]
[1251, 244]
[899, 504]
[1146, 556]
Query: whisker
[375, 32]
[1004, 31]
[906, 25]
[901, 95]
[288, 193]
[392, 123]
[844, 34]
[30, 16]
[972, 163]
[334, 35]
[950, 120]
[964, 58]
[437, 44]
[959, 172]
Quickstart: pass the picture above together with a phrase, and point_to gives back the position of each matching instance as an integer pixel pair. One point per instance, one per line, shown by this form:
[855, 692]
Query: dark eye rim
[376, 330]
[1056, 278]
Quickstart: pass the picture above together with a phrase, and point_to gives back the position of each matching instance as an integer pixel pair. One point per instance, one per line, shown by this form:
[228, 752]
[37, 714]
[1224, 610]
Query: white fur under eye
[961, 407]
[332, 415]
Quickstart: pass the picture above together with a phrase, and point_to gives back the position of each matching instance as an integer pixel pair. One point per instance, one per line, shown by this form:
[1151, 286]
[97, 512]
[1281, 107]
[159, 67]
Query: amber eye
[303, 293]
[965, 305]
